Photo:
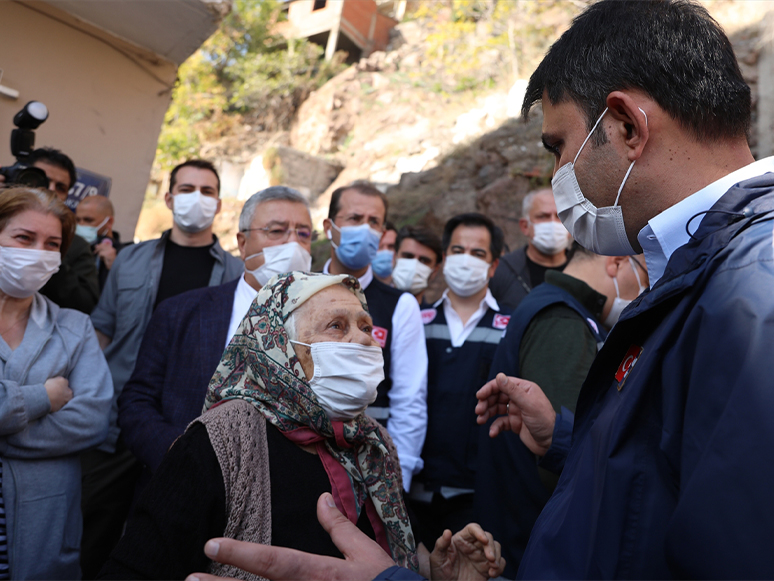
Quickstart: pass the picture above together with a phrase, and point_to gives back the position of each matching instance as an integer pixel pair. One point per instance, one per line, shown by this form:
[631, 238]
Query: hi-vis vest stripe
[478, 335]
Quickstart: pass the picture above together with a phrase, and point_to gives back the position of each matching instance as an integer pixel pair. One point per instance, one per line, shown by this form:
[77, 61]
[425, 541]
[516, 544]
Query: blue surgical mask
[358, 245]
[382, 263]
[89, 233]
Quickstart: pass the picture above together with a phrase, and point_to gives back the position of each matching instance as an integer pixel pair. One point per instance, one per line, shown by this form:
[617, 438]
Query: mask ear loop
[101, 224]
[628, 171]
[589, 136]
[633, 264]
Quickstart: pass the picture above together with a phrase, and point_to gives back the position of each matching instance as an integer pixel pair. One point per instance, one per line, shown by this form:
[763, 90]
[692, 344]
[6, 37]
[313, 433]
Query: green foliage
[242, 72]
[273, 85]
[475, 44]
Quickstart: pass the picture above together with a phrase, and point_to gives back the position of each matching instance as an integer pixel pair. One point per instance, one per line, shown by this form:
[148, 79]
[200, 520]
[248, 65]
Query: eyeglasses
[280, 233]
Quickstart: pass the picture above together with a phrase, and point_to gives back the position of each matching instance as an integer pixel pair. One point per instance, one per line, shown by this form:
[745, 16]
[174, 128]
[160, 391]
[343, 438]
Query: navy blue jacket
[672, 460]
[509, 491]
[180, 351]
[454, 376]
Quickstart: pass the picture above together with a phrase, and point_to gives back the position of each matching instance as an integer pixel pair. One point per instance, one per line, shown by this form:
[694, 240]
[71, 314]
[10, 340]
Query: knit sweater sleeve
[181, 509]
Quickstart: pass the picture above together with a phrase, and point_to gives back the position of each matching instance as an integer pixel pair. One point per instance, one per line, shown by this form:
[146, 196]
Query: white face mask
[345, 378]
[620, 304]
[24, 271]
[194, 212]
[600, 230]
[410, 275]
[550, 237]
[465, 274]
[279, 259]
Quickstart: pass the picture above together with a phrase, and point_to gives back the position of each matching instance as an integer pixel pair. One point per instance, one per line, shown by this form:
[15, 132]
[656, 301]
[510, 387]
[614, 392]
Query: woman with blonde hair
[55, 393]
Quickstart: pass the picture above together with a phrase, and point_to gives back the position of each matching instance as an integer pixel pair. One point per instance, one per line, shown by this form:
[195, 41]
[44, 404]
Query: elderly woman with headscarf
[284, 424]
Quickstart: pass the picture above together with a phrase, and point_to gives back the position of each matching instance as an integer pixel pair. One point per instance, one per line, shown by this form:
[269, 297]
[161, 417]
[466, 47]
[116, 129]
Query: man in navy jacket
[670, 460]
[187, 334]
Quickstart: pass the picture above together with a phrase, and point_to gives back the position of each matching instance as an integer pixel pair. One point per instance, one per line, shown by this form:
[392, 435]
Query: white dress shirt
[243, 298]
[665, 233]
[457, 331]
[407, 424]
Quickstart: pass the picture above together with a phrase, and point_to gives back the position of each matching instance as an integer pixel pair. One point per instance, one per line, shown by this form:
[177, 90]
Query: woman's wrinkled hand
[470, 554]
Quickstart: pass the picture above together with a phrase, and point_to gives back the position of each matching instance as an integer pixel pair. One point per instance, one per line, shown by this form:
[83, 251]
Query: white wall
[106, 98]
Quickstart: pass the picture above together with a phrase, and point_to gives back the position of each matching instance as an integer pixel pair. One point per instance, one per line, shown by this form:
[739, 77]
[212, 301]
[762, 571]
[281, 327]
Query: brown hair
[16, 200]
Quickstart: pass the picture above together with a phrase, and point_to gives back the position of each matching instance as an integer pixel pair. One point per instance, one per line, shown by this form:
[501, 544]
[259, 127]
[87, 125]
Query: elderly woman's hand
[471, 554]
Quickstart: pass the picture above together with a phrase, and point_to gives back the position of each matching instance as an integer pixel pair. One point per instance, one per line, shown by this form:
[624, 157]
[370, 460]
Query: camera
[27, 120]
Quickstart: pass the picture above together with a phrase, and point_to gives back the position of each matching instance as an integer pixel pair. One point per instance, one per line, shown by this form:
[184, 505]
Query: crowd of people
[592, 405]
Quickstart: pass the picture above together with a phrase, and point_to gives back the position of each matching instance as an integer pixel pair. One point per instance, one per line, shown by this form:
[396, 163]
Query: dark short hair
[197, 163]
[672, 50]
[474, 219]
[423, 236]
[390, 226]
[361, 187]
[578, 253]
[55, 158]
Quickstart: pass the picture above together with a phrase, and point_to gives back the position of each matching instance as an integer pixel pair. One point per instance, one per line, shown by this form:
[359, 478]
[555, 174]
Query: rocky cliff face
[439, 141]
[434, 153]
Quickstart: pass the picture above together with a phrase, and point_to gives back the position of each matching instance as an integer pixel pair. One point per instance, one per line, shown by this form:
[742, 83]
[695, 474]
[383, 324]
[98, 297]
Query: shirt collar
[665, 232]
[488, 300]
[244, 290]
[364, 280]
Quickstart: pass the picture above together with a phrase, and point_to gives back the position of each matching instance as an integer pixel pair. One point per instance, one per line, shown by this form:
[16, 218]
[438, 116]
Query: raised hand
[521, 407]
[470, 554]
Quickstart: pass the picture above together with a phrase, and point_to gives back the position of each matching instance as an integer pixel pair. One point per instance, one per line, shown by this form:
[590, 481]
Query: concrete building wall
[106, 97]
[360, 20]
[303, 21]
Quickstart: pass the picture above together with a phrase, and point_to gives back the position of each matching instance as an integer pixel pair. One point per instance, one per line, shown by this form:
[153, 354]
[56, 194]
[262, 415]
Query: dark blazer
[179, 353]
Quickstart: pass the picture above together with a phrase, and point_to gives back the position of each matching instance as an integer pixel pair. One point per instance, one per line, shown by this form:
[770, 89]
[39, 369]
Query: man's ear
[613, 264]
[493, 267]
[241, 241]
[327, 229]
[168, 200]
[626, 108]
[217, 211]
[524, 226]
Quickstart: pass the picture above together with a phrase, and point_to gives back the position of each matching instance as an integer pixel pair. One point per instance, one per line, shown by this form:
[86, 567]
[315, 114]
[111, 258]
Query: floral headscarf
[260, 366]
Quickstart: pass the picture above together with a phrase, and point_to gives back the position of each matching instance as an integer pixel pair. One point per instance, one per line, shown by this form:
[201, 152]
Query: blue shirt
[666, 232]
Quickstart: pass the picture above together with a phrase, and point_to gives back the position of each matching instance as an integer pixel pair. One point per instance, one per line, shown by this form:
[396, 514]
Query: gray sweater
[39, 449]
